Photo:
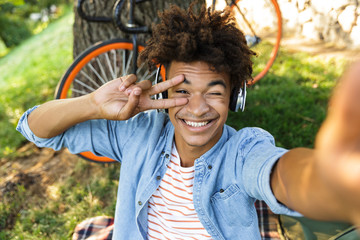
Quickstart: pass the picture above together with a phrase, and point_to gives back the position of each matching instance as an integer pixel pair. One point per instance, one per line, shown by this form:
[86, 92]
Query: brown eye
[181, 91]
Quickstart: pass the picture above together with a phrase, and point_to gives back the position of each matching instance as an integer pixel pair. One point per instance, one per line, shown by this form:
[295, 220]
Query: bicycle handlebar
[130, 27]
[90, 18]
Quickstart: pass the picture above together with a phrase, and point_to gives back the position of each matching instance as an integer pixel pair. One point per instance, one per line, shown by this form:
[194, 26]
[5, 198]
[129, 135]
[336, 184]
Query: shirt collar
[209, 155]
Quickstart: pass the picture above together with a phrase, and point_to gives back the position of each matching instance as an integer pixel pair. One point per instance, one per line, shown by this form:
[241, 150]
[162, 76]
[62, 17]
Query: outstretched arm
[324, 183]
[111, 101]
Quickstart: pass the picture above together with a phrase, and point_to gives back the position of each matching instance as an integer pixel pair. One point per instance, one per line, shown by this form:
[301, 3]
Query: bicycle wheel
[96, 66]
[261, 22]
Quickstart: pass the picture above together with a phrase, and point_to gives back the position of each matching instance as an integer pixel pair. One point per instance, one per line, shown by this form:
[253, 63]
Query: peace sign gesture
[123, 98]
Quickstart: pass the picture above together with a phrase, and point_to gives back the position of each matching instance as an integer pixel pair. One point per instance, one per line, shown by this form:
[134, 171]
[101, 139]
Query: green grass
[3, 49]
[29, 74]
[80, 196]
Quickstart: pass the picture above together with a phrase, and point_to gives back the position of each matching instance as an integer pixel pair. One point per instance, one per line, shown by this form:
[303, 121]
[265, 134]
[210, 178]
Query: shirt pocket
[234, 206]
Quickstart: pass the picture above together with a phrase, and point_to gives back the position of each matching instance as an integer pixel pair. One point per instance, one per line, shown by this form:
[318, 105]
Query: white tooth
[196, 124]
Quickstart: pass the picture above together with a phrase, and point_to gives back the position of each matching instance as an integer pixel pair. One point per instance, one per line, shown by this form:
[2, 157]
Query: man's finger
[163, 86]
[144, 85]
[127, 81]
[129, 108]
[167, 103]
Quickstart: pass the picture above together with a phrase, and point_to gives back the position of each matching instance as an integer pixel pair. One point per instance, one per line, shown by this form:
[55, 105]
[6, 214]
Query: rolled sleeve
[97, 136]
[260, 156]
[24, 129]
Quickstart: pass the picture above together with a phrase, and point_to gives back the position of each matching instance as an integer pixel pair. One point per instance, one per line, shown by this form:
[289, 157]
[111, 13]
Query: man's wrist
[91, 109]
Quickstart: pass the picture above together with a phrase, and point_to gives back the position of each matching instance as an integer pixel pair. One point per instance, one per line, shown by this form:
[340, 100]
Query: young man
[186, 174]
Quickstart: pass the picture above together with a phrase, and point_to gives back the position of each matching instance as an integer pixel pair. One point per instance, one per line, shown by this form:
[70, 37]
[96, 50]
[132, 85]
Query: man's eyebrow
[211, 84]
[217, 82]
[186, 81]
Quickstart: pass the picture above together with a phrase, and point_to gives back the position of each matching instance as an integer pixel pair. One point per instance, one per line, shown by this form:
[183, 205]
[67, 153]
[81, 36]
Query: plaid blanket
[101, 228]
[268, 222]
[97, 228]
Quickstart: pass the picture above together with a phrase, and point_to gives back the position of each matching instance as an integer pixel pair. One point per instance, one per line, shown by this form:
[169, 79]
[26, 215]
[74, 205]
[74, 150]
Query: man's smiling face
[199, 123]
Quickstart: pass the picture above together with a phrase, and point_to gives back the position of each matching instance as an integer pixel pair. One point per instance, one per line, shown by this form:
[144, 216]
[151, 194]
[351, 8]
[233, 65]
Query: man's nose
[197, 105]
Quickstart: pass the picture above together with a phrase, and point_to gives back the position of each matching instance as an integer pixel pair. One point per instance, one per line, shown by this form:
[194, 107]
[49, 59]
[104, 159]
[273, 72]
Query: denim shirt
[228, 178]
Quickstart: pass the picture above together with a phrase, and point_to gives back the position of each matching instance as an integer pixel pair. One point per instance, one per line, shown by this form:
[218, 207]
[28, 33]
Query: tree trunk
[88, 33]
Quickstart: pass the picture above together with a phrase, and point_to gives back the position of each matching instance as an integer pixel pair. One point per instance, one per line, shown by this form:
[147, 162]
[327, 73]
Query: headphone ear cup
[233, 100]
[240, 103]
[238, 99]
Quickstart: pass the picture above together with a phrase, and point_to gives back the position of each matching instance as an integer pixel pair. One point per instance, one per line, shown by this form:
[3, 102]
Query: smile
[196, 124]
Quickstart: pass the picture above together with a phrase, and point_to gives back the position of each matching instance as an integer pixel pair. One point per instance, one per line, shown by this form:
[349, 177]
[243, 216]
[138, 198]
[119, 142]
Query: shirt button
[221, 190]
[140, 203]
[158, 178]
[167, 155]
[209, 167]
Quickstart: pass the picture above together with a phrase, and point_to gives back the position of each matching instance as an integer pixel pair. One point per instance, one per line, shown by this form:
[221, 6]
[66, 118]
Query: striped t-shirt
[171, 213]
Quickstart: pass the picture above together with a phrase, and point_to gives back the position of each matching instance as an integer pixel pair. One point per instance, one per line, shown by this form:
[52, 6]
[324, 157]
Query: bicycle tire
[272, 29]
[87, 73]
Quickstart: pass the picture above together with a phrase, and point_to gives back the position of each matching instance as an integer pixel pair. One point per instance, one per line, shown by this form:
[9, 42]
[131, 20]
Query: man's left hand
[338, 143]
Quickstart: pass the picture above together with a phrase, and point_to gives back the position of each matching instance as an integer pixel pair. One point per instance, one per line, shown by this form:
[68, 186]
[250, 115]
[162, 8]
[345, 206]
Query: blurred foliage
[13, 2]
[15, 22]
[13, 30]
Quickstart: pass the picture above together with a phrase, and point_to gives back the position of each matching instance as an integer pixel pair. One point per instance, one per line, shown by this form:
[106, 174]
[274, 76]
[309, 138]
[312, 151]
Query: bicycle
[113, 58]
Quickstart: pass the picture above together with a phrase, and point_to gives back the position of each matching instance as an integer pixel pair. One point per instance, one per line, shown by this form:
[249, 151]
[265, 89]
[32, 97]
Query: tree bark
[88, 33]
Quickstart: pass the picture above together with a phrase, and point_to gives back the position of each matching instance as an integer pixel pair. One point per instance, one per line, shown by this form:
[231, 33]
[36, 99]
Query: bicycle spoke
[140, 68]
[96, 73]
[84, 85]
[82, 92]
[245, 20]
[113, 52]
[116, 63]
[148, 75]
[128, 63]
[123, 63]
[138, 72]
[89, 78]
[145, 76]
[151, 75]
[109, 65]
[102, 69]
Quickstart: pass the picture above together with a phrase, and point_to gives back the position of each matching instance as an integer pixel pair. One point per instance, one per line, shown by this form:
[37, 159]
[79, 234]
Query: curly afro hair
[209, 36]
